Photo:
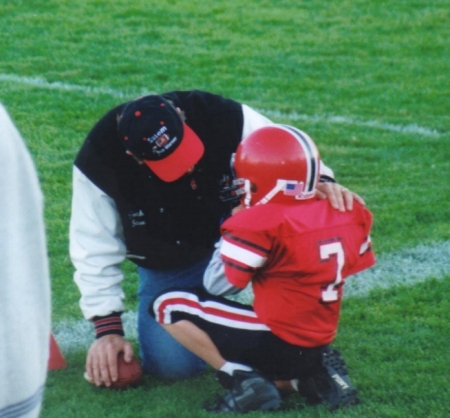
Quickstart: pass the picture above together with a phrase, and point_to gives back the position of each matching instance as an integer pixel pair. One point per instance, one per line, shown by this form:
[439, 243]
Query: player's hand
[339, 196]
[101, 361]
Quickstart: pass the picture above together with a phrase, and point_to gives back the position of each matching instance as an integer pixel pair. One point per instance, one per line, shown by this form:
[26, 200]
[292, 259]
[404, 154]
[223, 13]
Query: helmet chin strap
[248, 193]
[280, 186]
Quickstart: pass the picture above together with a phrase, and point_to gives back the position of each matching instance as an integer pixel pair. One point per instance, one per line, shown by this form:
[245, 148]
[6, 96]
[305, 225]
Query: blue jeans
[161, 355]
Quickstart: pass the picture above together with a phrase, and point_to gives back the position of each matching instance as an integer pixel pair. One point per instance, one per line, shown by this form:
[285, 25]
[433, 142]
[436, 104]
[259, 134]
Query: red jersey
[297, 257]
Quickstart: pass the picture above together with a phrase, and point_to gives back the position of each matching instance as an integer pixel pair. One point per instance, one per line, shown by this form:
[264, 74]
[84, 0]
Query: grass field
[368, 80]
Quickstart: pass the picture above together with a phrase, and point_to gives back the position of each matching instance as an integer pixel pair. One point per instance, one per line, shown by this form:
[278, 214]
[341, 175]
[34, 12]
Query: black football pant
[237, 333]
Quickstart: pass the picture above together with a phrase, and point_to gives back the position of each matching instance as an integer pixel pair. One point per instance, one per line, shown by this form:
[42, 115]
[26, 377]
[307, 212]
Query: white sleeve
[214, 279]
[24, 279]
[325, 171]
[254, 120]
[97, 248]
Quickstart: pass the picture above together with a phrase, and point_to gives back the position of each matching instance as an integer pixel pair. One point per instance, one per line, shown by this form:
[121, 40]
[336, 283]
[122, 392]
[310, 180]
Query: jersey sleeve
[214, 279]
[243, 250]
[366, 255]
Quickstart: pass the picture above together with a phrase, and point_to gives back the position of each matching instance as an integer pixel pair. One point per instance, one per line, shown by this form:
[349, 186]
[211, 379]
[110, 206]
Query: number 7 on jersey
[329, 251]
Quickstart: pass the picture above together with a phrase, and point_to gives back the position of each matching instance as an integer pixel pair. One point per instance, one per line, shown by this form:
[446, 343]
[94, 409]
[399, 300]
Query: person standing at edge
[25, 294]
[147, 186]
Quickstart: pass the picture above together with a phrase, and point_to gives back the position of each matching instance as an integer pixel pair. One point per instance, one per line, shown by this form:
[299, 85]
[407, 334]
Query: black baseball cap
[153, 131]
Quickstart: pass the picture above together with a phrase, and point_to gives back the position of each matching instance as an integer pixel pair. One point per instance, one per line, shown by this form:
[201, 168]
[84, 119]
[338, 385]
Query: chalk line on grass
[404, 268]
[345, 120]
[294, 116]
[42, 83]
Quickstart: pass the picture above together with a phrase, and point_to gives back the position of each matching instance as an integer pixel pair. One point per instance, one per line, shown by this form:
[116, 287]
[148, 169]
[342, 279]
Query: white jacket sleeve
[253, 120]
[97, 248]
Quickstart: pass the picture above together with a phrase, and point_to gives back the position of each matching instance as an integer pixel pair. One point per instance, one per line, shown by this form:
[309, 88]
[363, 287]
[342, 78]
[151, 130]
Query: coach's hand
[340, 197]
[101, 361]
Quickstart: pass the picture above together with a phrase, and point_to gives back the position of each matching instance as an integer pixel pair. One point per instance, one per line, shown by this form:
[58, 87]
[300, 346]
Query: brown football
[130, 374]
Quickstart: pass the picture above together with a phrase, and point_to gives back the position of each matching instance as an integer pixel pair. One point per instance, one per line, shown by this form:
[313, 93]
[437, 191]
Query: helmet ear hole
[253, 187]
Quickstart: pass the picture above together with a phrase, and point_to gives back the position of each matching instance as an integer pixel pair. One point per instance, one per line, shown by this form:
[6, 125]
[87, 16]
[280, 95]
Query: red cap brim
[177, 164]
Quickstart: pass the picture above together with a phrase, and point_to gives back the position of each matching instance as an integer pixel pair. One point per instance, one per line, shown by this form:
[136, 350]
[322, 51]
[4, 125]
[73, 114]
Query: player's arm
[244, 250]
[214, 279]
[97, 250]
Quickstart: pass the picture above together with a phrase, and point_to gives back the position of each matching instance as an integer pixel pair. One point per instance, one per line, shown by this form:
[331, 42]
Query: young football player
[296, 251]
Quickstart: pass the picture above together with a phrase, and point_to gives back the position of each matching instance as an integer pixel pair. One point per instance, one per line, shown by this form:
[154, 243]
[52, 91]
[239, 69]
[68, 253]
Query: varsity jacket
[120, 209]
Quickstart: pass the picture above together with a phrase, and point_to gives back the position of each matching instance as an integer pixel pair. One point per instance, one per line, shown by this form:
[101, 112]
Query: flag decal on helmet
[294, 188]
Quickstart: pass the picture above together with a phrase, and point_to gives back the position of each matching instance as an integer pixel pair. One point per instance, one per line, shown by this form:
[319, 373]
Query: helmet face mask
[276, 163]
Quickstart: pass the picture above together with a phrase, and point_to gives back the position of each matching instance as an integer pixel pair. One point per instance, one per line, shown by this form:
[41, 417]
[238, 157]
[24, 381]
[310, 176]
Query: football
[130, 374]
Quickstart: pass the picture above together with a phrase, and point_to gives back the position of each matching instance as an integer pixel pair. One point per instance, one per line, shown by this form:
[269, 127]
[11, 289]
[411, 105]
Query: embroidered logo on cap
[161, 141]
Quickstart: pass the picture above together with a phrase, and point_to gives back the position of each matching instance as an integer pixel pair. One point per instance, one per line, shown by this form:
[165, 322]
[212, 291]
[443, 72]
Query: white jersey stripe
[215, 319]
[365, 245]
[241, 255]
[177, 294]
[163, 309]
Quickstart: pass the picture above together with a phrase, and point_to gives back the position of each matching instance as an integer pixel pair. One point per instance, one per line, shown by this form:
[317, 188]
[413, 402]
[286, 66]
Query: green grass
[395, 342]
[371, 63]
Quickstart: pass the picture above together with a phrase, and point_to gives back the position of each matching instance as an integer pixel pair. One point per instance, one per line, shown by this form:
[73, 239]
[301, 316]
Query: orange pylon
[56, 359]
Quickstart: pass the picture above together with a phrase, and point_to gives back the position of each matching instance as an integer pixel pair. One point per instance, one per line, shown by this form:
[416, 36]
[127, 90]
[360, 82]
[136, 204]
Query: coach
[147, 184]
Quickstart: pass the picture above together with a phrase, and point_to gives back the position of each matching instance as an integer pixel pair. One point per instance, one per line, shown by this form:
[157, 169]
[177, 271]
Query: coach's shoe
[246, 391]
[330, 384]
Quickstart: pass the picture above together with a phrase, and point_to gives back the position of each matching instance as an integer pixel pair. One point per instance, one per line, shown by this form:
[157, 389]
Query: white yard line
[403, 268]
[44, 84]
[294, 116]
[345, 120]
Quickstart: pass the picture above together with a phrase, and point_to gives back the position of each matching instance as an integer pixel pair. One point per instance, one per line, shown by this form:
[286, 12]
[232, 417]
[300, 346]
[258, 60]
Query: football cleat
[246, 391]
[330, 384]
